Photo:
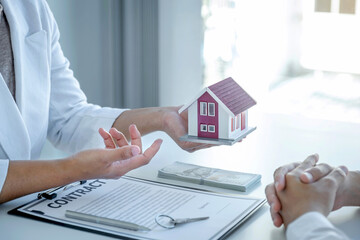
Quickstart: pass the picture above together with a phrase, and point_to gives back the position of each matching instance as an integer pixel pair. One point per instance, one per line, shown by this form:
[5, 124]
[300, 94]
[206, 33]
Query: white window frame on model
[203, 108]
[209, 127]
[238, 121]
[201, 128]
[211, 113]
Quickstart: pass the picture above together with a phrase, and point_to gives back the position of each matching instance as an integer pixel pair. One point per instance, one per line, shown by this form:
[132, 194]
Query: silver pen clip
[52, 193]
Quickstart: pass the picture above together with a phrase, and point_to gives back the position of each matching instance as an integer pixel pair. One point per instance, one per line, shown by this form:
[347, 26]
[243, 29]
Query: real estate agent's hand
[112, 163]
[26, 177]
[176, 126]
[115, 138]
[119, 157]
[166, 119]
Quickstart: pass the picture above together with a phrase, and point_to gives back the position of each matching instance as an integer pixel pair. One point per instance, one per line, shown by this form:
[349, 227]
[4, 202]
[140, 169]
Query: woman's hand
[114, 138]
[118, 158]
[176, 126]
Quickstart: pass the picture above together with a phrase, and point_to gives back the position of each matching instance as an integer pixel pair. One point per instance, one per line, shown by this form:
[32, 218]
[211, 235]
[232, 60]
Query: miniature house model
[219, 114]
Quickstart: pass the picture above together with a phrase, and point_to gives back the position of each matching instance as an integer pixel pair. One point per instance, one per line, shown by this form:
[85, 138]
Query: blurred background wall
[293, 57]
[132, 53]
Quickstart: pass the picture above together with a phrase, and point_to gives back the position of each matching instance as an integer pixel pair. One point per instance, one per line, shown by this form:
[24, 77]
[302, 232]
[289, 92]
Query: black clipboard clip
[52, 193]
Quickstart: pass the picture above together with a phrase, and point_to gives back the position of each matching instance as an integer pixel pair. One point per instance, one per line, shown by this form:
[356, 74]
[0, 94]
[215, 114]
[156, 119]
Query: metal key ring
[162, 216]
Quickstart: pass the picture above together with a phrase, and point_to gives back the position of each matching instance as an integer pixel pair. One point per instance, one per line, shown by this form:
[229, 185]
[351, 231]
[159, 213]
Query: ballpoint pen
[52, 193]
[105, 221]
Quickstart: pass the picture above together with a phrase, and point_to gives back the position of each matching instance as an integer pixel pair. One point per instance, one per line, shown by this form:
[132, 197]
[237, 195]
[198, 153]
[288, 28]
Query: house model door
[208, 119]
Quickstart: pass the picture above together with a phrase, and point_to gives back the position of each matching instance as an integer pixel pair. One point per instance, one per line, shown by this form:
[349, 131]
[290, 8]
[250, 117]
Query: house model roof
[229, 94]
[232, 95]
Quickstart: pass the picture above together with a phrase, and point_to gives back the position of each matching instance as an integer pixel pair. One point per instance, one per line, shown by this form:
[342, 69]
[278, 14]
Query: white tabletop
[278, 140]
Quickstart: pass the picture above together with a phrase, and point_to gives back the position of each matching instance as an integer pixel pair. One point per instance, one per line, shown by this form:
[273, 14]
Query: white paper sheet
[139, 202]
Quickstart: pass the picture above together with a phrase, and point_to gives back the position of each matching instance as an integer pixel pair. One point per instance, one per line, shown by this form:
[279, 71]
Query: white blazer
[49, 102]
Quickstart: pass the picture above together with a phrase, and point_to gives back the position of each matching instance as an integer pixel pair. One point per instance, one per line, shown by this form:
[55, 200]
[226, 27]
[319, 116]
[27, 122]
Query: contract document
[139, 202]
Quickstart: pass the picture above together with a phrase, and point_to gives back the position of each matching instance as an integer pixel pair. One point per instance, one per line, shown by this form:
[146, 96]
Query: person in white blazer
[303, 195]
[49, 103]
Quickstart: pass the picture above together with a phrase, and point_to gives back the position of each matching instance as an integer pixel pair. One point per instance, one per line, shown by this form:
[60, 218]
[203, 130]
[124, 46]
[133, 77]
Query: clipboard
[110, 187]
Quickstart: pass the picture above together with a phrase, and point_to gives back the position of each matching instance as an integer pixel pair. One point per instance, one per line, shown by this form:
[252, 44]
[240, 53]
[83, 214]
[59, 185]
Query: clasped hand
[299, 188]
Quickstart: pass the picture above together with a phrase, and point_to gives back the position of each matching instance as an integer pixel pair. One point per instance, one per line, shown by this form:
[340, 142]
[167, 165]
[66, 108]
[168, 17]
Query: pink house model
[219, 114]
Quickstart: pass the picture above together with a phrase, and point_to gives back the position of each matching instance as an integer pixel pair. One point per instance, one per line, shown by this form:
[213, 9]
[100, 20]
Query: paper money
[209, 176]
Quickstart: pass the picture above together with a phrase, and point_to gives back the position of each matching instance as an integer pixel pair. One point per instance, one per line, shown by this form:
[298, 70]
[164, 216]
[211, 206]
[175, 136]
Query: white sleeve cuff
[315, 226]
[4, 165]
[89, 137]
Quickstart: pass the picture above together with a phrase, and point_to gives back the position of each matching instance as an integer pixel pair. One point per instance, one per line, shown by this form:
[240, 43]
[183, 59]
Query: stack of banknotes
[209, 176]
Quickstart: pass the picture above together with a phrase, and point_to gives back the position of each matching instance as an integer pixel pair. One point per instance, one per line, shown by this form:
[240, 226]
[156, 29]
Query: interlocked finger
[334, 178]
[279, 175]
[309, 162]
[315, 173]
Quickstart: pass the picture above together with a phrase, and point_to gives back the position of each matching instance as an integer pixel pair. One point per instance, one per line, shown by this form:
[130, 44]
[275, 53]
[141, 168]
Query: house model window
[203, 108]
[212, 109]
[212, 128]
[237, 121]
[203, 127]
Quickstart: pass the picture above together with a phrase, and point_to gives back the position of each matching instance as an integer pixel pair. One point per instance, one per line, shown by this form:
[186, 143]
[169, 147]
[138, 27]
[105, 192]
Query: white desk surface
[278, 140]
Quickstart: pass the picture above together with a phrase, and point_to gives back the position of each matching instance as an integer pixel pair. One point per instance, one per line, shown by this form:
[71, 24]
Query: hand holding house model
[219, 114]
